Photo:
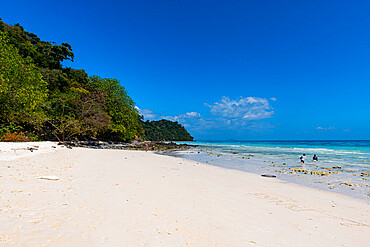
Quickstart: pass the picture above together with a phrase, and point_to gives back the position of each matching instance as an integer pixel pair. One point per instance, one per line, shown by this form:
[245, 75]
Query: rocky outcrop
[135, 145]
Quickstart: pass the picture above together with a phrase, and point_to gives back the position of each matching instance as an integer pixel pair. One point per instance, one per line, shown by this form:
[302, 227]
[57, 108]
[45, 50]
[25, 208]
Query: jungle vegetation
[165, 130]
[40, 99]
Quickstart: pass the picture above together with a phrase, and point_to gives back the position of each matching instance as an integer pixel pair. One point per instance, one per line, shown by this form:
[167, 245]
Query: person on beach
[146, 148]
[153, 148]
[302, 158]
[315, 158]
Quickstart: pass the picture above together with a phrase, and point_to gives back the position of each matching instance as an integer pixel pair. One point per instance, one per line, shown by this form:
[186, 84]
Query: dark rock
[268, 176]
[135, 145]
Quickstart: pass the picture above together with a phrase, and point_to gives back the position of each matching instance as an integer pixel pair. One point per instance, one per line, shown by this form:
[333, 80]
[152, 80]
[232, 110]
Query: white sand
[16, 150]
[133, 198]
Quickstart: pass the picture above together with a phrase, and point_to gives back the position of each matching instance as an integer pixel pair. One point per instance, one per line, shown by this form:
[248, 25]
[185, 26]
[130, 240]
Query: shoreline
[311, 174]
[279, 179]
[110, 197]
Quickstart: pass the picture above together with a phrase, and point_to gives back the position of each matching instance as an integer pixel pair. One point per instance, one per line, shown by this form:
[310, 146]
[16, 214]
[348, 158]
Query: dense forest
[42, 100]
[165, 130]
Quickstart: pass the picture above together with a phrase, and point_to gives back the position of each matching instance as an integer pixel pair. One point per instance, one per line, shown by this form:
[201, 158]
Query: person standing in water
[315, 158]
[302, 158]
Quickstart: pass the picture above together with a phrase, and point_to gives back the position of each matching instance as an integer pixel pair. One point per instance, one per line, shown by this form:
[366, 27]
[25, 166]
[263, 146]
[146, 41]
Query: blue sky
[227, 70]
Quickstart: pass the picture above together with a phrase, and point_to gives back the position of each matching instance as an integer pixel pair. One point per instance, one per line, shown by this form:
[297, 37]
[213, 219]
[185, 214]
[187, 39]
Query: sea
[342, 166]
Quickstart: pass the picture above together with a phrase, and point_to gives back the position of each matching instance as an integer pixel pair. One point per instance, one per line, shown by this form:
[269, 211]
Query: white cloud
[273, 99]
[171, 118]
[250, 108]
[192, 114]
[147, 113]
[183, 117]
[241, 114]
[328, 128]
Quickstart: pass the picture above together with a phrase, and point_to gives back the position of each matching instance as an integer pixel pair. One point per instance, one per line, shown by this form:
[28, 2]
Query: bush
[15, 137]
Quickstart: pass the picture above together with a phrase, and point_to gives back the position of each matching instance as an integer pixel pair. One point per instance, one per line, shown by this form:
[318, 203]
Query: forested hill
[165, 130]
[42, 100]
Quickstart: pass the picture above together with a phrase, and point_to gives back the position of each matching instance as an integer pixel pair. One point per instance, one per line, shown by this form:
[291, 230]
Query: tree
[22, 89]
[165, 130]
[43, 54]
[78, 113]
[120, 107]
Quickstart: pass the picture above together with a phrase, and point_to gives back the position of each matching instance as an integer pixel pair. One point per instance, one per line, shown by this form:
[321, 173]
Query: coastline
[136, 198]
[338, 174]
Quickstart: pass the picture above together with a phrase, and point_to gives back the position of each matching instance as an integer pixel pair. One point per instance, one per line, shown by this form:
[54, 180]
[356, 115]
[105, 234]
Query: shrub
[15, 137]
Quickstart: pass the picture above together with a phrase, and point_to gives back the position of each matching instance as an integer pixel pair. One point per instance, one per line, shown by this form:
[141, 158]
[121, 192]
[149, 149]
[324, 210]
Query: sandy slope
[132, 198]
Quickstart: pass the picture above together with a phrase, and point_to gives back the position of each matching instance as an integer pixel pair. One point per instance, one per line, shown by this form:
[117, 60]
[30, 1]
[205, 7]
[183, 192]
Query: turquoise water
[348, 154]
[344, 163]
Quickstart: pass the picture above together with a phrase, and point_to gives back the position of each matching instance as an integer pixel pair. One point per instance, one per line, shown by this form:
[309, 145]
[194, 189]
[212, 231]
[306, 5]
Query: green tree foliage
[58, 81]
[43, 54]
[77, 113]
[22, 89]
[120, 107]
[165, 130]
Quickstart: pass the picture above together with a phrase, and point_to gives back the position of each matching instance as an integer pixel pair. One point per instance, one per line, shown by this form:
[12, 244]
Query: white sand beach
[134, 198]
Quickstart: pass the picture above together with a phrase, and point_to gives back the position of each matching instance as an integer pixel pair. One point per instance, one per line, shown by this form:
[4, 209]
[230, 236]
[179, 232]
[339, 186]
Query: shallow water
[342, 165]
